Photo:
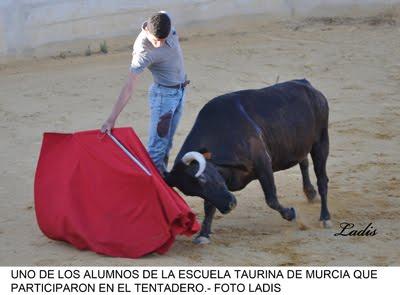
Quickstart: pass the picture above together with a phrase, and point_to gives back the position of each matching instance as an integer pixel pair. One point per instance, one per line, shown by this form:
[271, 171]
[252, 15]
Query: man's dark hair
[159, 25]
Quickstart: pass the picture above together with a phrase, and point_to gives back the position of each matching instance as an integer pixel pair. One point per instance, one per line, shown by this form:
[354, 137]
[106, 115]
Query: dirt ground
[354, 62]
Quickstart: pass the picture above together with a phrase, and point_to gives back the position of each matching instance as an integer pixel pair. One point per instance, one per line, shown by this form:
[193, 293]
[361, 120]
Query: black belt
[177, 86]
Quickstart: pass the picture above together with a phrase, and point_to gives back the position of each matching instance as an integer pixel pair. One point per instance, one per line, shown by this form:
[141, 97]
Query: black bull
[246, 135]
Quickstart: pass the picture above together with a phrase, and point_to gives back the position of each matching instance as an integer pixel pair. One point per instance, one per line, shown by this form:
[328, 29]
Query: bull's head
[195, 176]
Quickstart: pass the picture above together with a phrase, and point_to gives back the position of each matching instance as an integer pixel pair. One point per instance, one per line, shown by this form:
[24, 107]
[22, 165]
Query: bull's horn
[196, 156]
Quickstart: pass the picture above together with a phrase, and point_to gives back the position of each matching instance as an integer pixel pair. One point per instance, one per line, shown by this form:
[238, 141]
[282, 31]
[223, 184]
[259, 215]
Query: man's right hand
[107, 126]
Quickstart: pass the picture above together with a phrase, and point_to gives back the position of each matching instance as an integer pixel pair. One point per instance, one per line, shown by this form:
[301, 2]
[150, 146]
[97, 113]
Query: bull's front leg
[204, 235]
[266, 178]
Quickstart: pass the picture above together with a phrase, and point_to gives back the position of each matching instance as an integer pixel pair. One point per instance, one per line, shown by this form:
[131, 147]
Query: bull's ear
[205, 153]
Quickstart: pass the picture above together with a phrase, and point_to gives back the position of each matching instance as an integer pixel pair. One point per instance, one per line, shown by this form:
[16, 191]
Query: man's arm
[121, 102]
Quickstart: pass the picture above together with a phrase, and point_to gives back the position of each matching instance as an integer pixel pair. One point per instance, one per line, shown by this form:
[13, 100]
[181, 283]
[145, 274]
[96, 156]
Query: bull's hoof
[326, 224]
[289, 214]
[292, 213]
[201, 240]
[311, 194]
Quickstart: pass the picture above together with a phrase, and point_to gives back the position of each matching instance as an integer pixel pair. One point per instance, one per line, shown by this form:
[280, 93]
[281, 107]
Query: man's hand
[107, 126]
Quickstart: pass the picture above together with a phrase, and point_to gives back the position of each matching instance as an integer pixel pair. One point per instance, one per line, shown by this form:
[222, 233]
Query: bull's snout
[229, 205]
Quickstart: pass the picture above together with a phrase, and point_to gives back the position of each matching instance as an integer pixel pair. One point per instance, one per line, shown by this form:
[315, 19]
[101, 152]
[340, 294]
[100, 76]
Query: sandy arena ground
[354, 62]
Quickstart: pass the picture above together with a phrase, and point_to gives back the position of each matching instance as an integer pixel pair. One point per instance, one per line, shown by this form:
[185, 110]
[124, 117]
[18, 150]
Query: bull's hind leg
[308, 188]
[204, 235]
[266, 178]
[319, 154]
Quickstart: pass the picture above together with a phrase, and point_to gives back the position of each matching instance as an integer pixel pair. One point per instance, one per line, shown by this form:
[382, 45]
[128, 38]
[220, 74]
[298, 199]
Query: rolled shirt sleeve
[141, 58]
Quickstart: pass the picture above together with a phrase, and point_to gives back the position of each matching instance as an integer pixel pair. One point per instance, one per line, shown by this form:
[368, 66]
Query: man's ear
[205, 153]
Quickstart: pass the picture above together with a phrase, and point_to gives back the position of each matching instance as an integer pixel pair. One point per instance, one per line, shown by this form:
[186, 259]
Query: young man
[156, 48]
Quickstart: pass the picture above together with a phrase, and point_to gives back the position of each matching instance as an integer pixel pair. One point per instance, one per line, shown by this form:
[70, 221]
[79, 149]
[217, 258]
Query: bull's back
[290, 116]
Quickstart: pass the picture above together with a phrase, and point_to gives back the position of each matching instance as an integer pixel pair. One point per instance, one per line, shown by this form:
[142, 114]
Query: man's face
[154, 40]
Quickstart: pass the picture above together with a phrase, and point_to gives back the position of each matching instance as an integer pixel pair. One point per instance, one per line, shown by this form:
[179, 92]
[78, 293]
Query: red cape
[89, 193]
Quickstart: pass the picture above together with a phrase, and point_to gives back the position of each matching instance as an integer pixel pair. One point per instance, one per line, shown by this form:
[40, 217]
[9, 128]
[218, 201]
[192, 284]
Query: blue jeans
[166, 106]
